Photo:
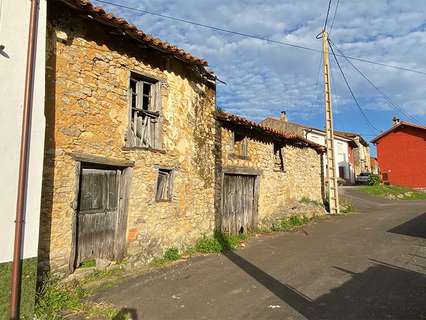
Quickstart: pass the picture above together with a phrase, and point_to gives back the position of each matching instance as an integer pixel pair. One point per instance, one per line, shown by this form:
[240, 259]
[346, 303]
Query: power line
[254, 36]
[334, 17]
[388, 99]
[326, 17]
[209, 27]
[352, 93]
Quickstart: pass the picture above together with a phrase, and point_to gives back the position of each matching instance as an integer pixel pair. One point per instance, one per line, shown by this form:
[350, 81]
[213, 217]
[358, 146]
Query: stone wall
[87, 107]
[278, 190]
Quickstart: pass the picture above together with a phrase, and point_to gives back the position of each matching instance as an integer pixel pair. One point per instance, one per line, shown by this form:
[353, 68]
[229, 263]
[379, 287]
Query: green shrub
[374, 180]
[219, 242]
[172, 254]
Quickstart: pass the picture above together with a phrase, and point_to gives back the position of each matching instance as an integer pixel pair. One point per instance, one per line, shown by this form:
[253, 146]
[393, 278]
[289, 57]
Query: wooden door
[97, 215]
[238, 203]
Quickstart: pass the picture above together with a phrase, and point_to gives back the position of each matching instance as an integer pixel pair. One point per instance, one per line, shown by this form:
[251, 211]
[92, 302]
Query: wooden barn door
[98, 213]
[238, 203]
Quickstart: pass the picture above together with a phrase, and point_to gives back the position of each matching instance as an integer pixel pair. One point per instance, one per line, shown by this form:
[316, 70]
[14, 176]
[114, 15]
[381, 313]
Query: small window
[278, 158]
[144, 122]
[240, 145]
[164, 185]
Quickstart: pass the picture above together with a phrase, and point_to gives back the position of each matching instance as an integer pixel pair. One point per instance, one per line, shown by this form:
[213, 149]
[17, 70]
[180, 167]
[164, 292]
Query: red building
[401, 152]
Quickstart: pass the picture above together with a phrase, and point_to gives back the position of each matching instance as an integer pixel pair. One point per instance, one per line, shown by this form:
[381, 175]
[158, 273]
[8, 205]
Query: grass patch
[88, 263]
[98, 275]
[171, 254]
[28, 288]
[393, 192]
[55, 300]
[219, 242]
[289, 224]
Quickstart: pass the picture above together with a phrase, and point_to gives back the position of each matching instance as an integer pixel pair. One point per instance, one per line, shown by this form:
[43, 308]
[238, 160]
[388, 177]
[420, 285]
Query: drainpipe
[23, 162]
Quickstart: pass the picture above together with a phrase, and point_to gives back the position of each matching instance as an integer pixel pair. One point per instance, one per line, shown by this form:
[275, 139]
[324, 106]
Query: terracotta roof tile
[100, 14]
[234, 119]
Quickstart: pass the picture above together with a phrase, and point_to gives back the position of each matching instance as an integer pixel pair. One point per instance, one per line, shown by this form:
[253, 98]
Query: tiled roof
[100, 15]
[299, 129]
[287, 126]
[251, 125]
[401, 124]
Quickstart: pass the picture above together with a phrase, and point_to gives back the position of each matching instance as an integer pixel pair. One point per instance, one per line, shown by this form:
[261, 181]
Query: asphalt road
[368, 265]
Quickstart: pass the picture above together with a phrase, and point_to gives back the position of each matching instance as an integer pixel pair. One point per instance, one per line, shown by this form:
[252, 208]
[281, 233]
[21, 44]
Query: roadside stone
[102, 264]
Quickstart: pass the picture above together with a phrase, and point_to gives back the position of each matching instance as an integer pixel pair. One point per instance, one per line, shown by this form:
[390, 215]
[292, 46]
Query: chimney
[283, 116]
[395, 121]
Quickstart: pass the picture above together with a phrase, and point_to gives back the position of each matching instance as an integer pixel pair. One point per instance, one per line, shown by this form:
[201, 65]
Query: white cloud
[263, 79]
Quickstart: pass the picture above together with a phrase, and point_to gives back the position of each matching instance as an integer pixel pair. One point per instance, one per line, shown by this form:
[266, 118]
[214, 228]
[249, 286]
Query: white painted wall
[14, 21]
[341, 152]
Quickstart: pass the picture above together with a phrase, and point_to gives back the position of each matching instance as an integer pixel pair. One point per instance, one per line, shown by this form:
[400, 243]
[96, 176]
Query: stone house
[129, 151]
[352, 152]
[137, 160]
[263, 173]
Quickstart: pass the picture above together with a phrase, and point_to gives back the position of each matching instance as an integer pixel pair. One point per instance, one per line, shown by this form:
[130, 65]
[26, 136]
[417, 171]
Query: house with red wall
[401, 153]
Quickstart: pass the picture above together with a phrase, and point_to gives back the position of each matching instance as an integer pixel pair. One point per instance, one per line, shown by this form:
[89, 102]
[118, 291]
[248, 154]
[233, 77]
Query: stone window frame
[241, 151]
[158, 83]
[171, 179]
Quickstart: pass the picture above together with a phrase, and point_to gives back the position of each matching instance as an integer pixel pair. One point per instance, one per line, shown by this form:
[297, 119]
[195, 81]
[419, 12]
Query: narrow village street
[367, 265]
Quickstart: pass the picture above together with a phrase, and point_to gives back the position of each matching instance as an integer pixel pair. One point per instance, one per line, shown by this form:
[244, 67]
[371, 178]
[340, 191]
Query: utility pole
[331, 178]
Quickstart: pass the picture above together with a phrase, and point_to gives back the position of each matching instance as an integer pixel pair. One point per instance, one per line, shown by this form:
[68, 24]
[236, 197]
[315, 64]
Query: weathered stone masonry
[87, 107]
[278, 190]
[87, 114]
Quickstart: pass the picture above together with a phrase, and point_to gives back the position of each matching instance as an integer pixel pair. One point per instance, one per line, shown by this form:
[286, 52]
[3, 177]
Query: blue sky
[264, 79]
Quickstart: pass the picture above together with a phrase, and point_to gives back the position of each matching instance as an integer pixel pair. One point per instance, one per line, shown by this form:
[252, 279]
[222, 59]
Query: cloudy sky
[263, 79]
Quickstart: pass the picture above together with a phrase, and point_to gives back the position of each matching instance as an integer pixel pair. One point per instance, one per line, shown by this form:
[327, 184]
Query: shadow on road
[382, 291]
[415, 227]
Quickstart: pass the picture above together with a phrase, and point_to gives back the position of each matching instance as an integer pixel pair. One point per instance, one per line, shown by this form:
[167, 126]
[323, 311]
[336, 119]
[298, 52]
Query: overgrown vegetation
[219, 242]
[171, 254]
[291, 223]
[374, 180]
[56, 299]
[28, 288]
[393, 192]
[88, 263]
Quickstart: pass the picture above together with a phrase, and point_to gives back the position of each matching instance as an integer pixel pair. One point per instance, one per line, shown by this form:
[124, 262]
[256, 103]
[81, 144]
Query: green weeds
[289, 224]
[219, 242]
[393, 192]
[55, 300]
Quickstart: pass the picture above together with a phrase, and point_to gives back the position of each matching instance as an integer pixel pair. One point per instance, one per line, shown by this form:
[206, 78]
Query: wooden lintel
[102, 160]
[242, 170]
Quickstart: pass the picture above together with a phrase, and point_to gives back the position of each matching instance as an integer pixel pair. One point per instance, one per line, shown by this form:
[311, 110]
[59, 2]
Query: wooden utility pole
[331, 178]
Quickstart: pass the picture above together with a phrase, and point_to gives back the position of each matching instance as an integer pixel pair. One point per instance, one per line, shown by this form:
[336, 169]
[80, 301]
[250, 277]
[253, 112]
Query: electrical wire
[351, 91]
[209, 27]
[387, 98]
[255, 37]
[334, 17]
[326, 17]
